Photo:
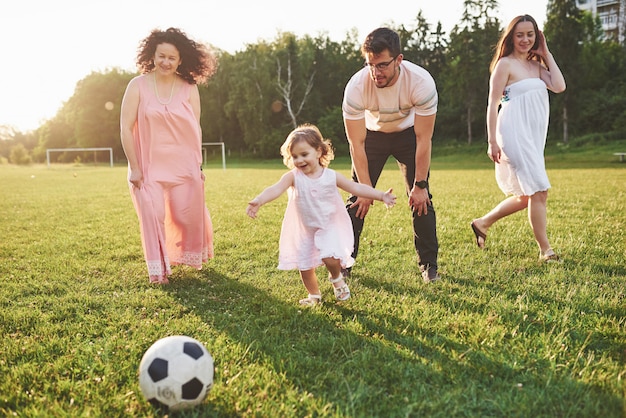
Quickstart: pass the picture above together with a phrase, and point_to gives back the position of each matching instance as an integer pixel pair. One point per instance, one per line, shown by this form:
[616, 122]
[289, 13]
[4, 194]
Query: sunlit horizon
[51, 46]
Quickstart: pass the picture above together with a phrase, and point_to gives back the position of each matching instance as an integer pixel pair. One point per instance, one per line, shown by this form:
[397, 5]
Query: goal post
[49, 150]
[204, 154]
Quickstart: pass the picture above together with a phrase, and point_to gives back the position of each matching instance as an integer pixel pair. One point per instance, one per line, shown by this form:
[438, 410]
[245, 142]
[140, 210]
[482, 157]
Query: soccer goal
[204, 152]
[49, 150]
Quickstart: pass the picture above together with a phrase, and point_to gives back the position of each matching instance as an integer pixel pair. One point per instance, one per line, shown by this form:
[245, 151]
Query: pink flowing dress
[316, 224]
[175, 223]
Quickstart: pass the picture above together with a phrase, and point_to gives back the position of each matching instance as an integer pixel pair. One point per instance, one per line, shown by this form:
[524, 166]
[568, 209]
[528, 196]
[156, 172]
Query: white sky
[47, 46]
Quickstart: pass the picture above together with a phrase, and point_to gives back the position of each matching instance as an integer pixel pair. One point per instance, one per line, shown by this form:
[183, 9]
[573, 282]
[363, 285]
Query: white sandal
[311, 300]
[341, 292]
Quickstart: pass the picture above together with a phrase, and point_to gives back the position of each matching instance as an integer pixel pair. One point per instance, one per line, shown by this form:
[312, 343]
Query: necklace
[156, 91]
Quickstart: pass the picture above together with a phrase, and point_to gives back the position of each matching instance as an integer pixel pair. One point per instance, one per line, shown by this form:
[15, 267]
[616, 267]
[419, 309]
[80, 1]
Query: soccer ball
[176, 372]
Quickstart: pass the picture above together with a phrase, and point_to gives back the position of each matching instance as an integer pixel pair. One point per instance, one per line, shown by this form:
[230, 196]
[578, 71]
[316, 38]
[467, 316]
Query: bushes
[19, 155]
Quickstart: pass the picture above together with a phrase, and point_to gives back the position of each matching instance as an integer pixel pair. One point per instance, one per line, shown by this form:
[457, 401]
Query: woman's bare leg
[508, 206]
[538, 218]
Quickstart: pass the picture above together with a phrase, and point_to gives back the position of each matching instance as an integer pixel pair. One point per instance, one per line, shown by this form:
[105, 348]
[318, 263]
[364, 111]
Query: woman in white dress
[522, 70]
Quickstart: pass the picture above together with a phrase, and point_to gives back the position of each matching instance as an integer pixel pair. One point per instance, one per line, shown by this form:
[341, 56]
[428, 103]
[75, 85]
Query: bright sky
[49, 45]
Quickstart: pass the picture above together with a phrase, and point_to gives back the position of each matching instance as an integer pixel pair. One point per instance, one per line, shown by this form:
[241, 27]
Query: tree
[261, 93]
[94, 110]
[10, 137]
[602, 72]
[565, 33]
[416, 41]
[335, 63]
[294, 96]
[90, 118]
[219, 125]
[437, 62]
[54, 133]
[250, 94]
[19, 155]
[273, 87]
[466, 84]
[424, 47]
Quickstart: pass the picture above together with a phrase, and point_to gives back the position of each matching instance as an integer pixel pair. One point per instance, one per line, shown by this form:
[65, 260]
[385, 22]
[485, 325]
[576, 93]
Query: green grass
[500, 335]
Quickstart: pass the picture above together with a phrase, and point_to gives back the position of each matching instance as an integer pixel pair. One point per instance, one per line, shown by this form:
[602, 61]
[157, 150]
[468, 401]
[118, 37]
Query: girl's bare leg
[334, 266]
[309, 279]
[341, 289]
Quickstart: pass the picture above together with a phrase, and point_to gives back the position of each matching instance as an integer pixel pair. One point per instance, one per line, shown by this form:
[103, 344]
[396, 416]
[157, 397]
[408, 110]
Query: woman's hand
[136, 178]
[494, 152]
[542, 46]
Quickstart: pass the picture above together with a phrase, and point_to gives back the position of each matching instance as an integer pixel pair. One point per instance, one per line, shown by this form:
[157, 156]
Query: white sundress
[316, 224]
[521, 132]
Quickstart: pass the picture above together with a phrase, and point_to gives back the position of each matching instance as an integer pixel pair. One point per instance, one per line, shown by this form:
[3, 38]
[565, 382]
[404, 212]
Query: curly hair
[505, 43]
[198, 63]
[312, 135]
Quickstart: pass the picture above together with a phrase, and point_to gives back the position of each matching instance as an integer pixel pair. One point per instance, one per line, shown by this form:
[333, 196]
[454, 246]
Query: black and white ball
[176, 372]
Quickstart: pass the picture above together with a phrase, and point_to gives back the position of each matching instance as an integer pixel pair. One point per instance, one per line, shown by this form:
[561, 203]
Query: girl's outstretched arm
[270, 193]
[363, 190]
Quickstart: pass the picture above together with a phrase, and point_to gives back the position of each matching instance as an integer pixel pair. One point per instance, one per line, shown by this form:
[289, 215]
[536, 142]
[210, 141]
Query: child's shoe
[342, 292]
[311, 300]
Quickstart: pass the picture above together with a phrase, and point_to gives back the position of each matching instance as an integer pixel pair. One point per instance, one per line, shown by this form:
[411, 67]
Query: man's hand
[363, 205]
[419, 201]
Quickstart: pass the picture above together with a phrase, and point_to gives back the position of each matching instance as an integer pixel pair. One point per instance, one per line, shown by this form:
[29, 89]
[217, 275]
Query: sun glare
[51, 50]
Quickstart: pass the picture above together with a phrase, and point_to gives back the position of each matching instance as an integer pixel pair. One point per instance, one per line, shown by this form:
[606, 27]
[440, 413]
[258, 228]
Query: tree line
[258, 95]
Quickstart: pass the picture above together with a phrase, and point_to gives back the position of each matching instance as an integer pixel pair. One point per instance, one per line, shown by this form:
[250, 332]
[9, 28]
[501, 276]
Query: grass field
[501, 335]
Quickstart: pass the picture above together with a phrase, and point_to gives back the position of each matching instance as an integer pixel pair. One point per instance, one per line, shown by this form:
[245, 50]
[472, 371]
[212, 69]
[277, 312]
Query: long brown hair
[505, 44]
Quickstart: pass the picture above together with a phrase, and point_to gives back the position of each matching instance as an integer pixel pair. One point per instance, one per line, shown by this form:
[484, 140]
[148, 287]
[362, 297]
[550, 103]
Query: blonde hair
[312, 135]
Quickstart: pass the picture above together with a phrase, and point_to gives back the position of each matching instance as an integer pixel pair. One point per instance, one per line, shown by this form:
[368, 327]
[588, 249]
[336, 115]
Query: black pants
[401, 145]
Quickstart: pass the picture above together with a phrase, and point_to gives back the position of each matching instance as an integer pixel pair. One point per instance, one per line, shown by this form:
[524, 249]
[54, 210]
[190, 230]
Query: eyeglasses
[382, 66]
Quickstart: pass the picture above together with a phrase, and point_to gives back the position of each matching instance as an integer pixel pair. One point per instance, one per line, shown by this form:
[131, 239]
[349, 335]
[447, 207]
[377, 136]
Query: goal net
[220, 144]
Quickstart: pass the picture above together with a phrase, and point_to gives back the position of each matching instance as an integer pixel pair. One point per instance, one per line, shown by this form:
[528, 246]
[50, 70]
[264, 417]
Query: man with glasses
[389, 109]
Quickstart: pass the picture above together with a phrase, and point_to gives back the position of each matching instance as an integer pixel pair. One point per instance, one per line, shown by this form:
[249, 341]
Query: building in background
[612, 14]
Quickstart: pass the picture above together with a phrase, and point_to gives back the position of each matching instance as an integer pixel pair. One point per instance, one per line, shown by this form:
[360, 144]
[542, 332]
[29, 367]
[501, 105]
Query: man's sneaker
[430, 276]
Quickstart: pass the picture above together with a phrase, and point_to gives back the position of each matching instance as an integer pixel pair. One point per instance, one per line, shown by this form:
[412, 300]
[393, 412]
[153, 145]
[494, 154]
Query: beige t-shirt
[392, 108]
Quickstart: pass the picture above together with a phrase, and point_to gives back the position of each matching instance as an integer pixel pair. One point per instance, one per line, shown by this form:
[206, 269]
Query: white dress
[316, 224]
[521, 134]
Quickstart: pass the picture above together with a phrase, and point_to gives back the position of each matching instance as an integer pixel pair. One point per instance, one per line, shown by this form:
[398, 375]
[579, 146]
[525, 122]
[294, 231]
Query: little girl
[316, 228]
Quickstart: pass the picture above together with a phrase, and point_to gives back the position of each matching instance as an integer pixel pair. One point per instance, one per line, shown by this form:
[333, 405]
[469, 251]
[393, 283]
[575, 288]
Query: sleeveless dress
[316, 224]
[521, 132]
[175, 223]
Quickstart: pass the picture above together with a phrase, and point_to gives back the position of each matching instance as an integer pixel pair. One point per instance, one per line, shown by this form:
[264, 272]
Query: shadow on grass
[355, 362]
[561, 348]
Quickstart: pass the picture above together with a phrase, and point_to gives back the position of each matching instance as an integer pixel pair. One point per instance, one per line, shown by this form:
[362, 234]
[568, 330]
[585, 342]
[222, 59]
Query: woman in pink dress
[162, 140]
[522, 70]
[316, 228]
